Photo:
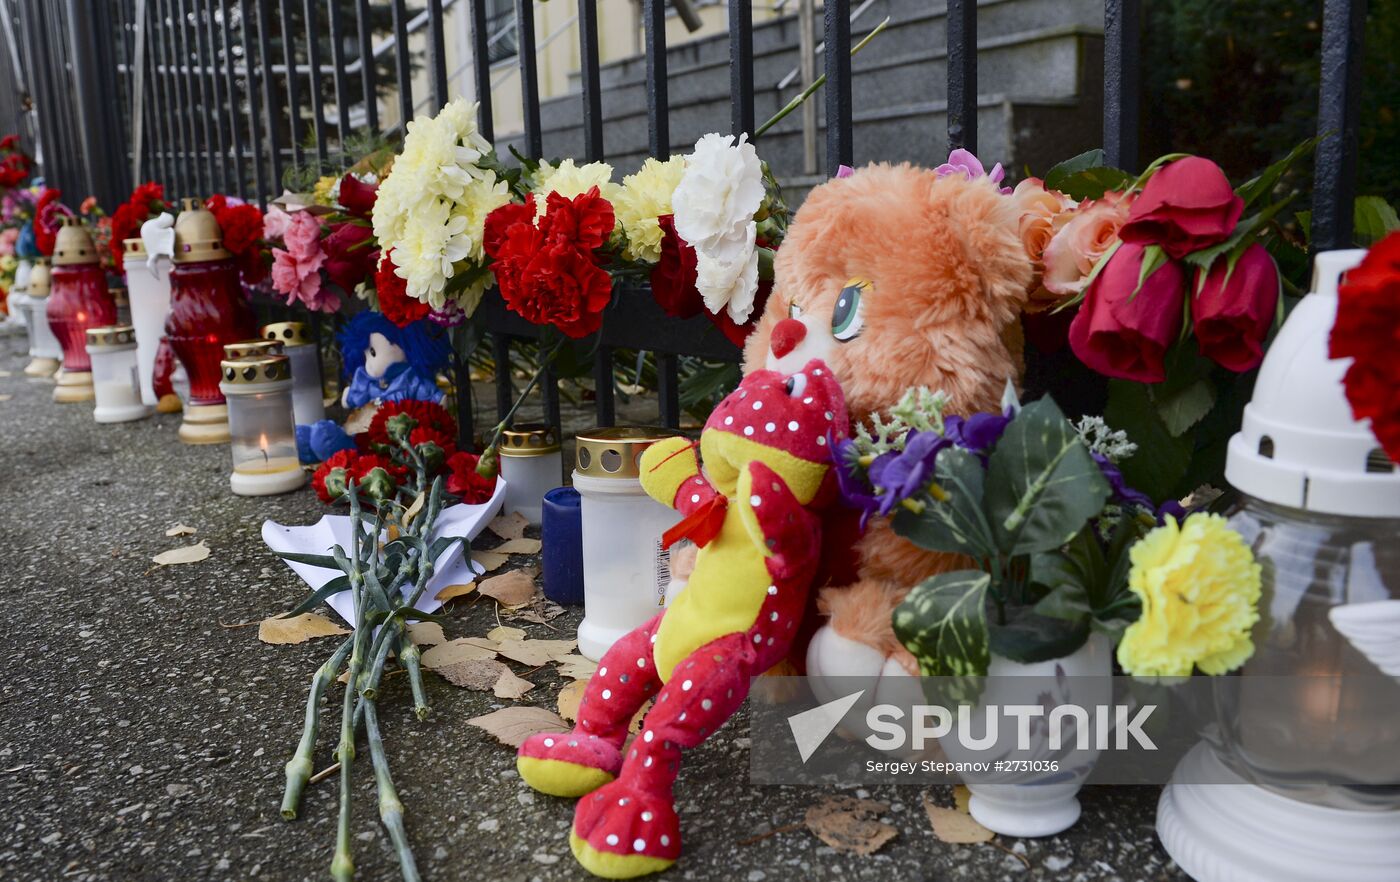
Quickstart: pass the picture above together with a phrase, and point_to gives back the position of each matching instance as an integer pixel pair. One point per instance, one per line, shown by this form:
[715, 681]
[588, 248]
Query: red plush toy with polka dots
[767, 467]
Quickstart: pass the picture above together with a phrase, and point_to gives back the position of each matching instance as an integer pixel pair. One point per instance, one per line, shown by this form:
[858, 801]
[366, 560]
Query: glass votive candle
[116, 378]
[258, 389]
[625, 567]
[308, 404]
[532, 464]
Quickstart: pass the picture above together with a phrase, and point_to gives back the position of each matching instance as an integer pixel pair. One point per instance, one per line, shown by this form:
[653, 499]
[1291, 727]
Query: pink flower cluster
[296, 269]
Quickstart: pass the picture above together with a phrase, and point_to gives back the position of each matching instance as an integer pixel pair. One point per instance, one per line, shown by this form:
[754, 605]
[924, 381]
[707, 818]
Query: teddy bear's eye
[794, 311]
[847, 317]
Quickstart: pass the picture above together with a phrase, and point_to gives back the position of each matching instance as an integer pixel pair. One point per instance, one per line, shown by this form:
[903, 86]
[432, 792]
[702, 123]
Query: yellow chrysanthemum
[570, 180]
[324, 191]
[644, 197]
[1199, 587]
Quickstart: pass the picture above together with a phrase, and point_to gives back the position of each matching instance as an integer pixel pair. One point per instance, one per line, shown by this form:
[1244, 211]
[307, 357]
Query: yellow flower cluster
[644, 197]
[570, 180]
[1199, 586]
[323, 193]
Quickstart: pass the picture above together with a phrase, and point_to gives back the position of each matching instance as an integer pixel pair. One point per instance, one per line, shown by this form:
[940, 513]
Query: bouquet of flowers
[15, 164]
[145, 202]
[321, 252]
[1060, 544]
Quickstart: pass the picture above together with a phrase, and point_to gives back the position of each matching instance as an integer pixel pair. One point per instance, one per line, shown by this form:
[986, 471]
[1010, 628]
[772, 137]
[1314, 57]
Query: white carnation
[729, 282]
[719, 193]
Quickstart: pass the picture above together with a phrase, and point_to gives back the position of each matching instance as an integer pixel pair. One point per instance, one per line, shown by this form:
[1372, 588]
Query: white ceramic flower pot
[1039, 803]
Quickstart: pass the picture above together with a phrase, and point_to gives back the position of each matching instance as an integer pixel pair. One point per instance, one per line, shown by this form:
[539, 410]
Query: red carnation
[427, 414]
[394, 301]
[241, 226]
[464, 481]
[46, 224]
[1367, 330]
[146, 201]
[673, 278]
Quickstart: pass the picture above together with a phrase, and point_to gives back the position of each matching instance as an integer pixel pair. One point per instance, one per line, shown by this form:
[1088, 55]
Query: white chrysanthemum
[570, 180]
[719, 193]
[484, 196]
[729, 282]
[644, 197]
[433, 240]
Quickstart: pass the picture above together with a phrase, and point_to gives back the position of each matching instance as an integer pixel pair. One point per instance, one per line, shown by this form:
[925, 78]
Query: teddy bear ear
[988, 223]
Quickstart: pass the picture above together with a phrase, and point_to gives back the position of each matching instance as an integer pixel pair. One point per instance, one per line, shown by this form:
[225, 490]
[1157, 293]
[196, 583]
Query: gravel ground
[143, 727]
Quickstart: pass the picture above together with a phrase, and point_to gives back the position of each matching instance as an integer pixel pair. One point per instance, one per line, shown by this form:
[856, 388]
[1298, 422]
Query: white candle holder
[148, 289]
[45, 353]
[625, 567]
[258, 391]
[532, 463]
[116, 380]
[308, 404]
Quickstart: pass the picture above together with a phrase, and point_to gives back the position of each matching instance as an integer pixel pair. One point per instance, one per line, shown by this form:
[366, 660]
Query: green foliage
[1086, 176]
[955, 524]
[943, 622]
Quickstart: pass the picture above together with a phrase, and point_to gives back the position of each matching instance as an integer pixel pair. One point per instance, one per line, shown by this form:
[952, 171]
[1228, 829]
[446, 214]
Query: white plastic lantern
[1313, 768]
[258, 389]
[116, 380]
[625, 567]
[148, 288]
[532, 464]
[45, 353]
[308, 405]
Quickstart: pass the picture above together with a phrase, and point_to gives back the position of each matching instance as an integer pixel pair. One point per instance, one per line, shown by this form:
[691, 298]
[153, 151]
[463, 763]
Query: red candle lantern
[78, 300]
[207, 310]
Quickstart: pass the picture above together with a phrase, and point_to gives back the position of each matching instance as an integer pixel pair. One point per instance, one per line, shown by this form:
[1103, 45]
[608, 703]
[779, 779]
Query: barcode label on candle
[663, 572]
[136, 381]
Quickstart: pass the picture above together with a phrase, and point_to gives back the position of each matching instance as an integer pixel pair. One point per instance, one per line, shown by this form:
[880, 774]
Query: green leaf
[1078, 566]
[334, 586]
[1091, 183]
[1162, 458]
[1372, 219]
[1031, 637]
[441, 545]
[955, 524]
[315, 560]
[1258, 187]
[1068, 601]
[943, 622]
[1042, 484]
[1187, 407]
[1061, 171]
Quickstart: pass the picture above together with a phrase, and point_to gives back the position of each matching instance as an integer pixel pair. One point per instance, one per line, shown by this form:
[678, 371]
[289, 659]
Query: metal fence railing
[230, 92]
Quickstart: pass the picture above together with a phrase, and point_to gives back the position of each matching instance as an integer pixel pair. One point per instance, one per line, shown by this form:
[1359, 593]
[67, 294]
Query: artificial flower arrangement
[15, 164]
[241, 225]
[406, 473]
[323, 254]
[1367, 330]
[1061, 545]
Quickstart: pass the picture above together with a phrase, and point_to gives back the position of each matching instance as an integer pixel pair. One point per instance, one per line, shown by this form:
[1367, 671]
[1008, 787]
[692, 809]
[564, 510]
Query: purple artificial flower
[855, 490]
[449, 316]
[1122, 493]
[844, 171]
[978, 433]
[969, 166]
[904, 474]
[1171, 508]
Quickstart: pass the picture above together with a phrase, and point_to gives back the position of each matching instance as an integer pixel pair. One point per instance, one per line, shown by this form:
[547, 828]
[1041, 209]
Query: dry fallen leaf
[962, 797]
[452, 591]
[575, 666]
[298, 629]
[412, 511]
[518, 546]
[534, 652]
[6, 397]
[509, 526]
[953, 826]
[511, 686]
[541, 611]
[501, 632]
[512, 725]
[480, 674]
[850, 825]
[489, 560]
[180, 530]
[426, 633]
[511, 589]
[570, 697]
[186, 554]
[454, 652]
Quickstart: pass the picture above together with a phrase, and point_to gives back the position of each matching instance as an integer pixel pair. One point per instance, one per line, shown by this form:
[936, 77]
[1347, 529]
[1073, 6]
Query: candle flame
[262, 441]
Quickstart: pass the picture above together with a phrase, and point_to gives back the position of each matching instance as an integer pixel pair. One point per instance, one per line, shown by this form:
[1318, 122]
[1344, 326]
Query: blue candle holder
[561, 537]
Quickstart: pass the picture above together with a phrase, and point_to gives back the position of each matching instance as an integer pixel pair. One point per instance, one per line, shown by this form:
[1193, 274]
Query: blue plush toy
[387, 363]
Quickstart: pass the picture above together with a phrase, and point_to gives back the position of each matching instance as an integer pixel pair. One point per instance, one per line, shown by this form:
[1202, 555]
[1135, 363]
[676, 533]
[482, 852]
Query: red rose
[1121, 334]
[1367, 330]
[1231, 316]
[357, 197]
[350, 255]
[1186, 205]
[673, 278]
[394, 301]
[463, 480]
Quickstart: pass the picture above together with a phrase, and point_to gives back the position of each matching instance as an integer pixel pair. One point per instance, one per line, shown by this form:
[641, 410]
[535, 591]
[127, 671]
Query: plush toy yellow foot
[610, 865]
[560, 777]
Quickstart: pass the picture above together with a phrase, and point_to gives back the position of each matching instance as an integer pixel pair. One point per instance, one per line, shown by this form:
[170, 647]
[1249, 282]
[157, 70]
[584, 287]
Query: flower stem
[343, 864]
[390, 808]
[409, 655]
[546, 359]
[816, 84]
[299, 768]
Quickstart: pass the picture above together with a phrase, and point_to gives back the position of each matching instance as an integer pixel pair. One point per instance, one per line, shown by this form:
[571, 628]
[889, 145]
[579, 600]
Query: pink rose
[1090, 232]
[1121, 334]
[1186, 205]
[1043, 213]
[275, 223]
[1232, 316]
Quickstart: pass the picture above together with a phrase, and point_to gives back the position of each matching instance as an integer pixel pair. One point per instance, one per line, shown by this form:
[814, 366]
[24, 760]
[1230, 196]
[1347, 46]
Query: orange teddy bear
[895, 277]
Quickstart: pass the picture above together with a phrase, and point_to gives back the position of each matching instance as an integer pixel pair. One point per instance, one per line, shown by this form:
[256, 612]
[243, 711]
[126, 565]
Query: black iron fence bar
[224, 32]
[194, 105]
[174, 101]
[1338, 117]
[1122, 73]
[229, 170]
[342, 99]
[591, 94]
[46, 59]
[156, 108]
[659, 136]
[194, 58]
[500, 354]
[402, 70]
[364, 31]
[481, 70]
[313, 79]
[269, 94]
[529, 81]
[37, 72]
[289, 58]
[962, 74]
[839, 147]
[741, 66]
[73, 161]
[437, 52]
[260, 187]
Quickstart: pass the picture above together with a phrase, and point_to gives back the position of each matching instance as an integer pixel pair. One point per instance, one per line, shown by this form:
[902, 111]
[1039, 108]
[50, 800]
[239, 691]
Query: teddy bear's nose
[786, 335]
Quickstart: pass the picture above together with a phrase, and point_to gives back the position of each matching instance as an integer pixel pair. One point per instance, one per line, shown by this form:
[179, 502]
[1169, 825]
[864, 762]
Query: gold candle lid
[614, 452]
[134, 249]
[197, 234]
[256, 346]
[533, 439]
[40, 277]
[251, 369]
[111, 335]
[73, 246]
[289, 333]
